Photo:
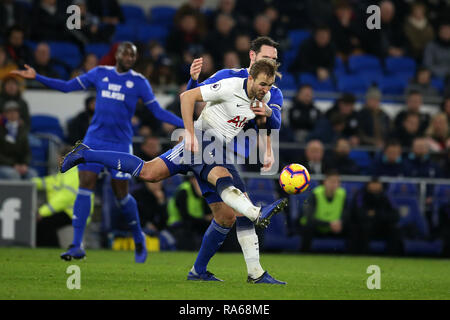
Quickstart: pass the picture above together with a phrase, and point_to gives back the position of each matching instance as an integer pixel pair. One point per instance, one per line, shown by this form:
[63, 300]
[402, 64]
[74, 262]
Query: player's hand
[336, 226]
[196, 68]
[190, 142]
[28, 73]
[261, 109]
[269, 160]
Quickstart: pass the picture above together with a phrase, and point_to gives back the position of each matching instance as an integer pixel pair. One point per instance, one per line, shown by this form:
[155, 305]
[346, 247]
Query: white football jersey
[227, 109]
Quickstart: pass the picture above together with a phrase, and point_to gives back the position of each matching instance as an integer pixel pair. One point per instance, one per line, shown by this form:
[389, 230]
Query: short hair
[331, 173]
[305, 85]
[266, 66]
[412, 92]
[347, 98]
[124, 44]
[392, 143]
[257, 43]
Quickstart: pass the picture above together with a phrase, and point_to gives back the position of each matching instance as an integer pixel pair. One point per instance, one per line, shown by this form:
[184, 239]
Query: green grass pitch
[40, 274]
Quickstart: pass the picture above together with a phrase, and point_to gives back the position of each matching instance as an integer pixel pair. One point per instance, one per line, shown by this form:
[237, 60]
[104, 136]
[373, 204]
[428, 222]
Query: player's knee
[148, 173]
[225, 217]
[87, 181]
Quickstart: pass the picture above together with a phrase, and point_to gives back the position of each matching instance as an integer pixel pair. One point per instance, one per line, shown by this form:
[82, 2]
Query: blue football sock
[244, 223]
[212, 240]
[81, 211]
[120, 161]
[130, 210]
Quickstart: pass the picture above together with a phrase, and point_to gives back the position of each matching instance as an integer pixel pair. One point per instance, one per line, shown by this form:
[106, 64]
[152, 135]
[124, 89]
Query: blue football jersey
[117, 96]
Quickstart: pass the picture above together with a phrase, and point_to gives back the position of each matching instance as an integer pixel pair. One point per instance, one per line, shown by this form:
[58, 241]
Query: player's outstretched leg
[120, 161]
[81, 210]
[130, 210]
[212, 240]
[237, 200]
[249, 242]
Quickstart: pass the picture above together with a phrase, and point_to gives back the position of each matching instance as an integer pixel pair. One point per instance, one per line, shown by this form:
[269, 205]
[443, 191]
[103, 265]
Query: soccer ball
[294, 178]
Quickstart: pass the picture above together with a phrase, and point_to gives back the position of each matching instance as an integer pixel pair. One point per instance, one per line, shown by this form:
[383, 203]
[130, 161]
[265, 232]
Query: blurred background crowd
[388, 90]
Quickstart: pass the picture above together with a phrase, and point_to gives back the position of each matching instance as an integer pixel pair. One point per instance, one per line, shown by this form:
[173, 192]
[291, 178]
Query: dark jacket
[423, 118]
[343, 164]
[381, 167]
[311, 57]
[366, 120]
[303, 116]
[150, 211]
[351, 121]
[362, 204]
[421, 167]
[14, 153]
[78, 126]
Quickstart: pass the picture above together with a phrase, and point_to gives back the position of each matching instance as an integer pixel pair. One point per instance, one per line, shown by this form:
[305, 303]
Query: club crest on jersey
[129, 84]
[215, 86]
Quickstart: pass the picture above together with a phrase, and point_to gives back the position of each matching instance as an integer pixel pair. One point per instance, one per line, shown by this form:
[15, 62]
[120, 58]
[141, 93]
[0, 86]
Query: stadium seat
[362, 158]
[62, 71]
[339, 67]
[316, 84]
[441, 196]
[372, 77]
[423, 248]
[297, 201]
[393, 85]
[352, 84]
[149, 32]
[162, 15]
[287, 60]
[395, 65]
[133, 14]
[99, 49]
[403, 189]
[442, 191]
[124, 32]
[39, 154]
[351, 187]
[297, 36]
[261, 198]
[410, 214]
[65, 52]
[260, 185]
[328, 245]
[31, 44]
[438, 83]
[287, 82]
[46, 124]
[364, 63]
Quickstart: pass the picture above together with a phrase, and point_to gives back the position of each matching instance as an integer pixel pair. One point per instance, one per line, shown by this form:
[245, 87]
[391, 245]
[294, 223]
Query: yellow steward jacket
[61, 190]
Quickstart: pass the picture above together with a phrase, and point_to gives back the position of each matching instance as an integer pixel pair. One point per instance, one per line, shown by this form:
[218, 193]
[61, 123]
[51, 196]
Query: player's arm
[153, 105]
[272, 110]
[60, 85]
[188, 100]
[196, 68]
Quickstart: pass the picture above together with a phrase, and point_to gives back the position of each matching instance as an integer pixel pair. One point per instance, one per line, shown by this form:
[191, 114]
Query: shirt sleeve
[146, 93]
[88, 79]
[275, 103]
[152, 104]
[219, 91]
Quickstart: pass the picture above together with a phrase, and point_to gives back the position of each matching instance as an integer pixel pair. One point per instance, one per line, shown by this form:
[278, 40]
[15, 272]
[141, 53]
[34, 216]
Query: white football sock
[248, 239]
[234, 198]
